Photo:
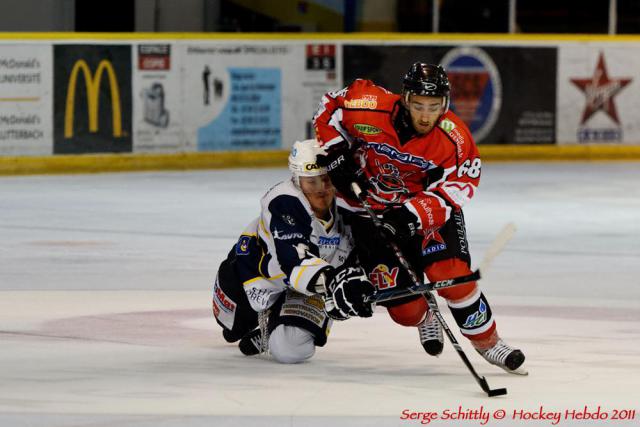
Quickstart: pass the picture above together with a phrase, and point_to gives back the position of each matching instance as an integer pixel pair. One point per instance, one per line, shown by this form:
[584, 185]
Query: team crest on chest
[389, 181]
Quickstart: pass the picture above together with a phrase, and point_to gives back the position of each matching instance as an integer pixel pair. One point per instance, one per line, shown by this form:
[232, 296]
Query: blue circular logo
[476, 89]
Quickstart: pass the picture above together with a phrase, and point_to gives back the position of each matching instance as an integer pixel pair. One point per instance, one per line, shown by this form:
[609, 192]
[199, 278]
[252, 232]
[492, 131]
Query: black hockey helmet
[426, 80]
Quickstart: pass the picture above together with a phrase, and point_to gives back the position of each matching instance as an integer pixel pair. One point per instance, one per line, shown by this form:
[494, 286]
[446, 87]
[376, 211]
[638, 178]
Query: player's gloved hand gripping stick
[422, 288]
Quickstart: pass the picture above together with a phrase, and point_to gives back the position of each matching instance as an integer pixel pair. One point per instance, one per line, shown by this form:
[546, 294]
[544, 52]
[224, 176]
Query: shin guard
[473, 316]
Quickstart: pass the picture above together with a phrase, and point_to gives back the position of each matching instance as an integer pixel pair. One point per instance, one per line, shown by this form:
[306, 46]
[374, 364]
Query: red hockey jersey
[430, 174]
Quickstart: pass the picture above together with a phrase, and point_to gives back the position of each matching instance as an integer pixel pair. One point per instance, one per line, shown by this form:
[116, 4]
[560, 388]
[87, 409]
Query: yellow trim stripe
[255, 279]
[327, 224]
[595, 152]
[372, 36]
[260, 264]
[250, 281]
[261, 224]
[317, 261]
[93, 163]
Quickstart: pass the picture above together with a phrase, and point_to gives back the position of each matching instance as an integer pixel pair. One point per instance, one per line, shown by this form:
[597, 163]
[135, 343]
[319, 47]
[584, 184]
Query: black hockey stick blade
[491, 392]
[497, 392]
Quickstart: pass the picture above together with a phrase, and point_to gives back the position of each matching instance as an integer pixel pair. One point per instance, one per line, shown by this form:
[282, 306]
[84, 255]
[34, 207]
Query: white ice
[105, 307]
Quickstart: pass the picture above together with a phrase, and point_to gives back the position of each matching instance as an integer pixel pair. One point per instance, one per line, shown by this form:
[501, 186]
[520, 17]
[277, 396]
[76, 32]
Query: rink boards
[175, 101]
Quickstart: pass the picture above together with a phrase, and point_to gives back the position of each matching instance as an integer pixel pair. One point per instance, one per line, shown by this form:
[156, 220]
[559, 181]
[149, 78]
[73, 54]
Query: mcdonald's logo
[92, 84]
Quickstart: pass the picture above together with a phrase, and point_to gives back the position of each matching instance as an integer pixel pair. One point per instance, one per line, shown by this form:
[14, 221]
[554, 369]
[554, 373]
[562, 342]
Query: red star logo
[433, 236]
[599, 91]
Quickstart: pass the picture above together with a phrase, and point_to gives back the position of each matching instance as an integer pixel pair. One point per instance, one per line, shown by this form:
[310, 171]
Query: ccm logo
[311, 166]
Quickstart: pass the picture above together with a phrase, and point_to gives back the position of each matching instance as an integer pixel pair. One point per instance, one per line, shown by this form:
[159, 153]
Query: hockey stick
[497, 245]
[431, 301]
[422, 288]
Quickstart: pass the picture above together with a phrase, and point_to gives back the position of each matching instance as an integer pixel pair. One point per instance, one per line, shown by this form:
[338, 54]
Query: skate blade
[520, 371]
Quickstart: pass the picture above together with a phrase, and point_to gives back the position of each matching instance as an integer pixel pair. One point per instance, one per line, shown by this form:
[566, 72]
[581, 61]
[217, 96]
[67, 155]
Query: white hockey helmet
[302, 160]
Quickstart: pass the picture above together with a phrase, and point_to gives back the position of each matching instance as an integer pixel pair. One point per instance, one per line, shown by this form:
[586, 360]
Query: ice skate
[506, 357]
[251, 343]
[431, 336]
[230, 336]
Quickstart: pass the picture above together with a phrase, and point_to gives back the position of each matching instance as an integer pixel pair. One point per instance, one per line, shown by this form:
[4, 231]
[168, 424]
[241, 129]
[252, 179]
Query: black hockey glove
[343, 170]
[345, 291]
[399, 224]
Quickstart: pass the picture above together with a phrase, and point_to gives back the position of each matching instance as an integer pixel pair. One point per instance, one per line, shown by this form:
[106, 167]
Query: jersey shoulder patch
[366, 95]
[447, 125]
[456, 130]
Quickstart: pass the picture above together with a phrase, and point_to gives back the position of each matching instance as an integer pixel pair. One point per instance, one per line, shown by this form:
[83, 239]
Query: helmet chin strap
[446, 100]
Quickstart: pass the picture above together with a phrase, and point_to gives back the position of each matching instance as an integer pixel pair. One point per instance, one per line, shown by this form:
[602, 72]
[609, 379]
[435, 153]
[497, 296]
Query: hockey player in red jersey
[419, 166]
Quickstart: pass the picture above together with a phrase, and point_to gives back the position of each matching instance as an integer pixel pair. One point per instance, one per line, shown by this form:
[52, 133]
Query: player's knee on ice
[291, 344]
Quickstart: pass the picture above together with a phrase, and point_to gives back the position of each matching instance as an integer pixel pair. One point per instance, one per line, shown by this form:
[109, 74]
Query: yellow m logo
[92, 83]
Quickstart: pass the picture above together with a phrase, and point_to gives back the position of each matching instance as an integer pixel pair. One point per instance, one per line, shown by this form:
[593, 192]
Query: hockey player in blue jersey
[295, 263]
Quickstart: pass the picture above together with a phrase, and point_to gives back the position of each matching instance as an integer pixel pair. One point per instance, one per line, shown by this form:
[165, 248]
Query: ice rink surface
[105, 308]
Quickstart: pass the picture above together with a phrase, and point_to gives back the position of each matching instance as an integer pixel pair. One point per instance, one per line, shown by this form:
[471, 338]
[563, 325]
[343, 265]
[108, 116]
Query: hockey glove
[399, 224]
[345, 291]
[342, 169]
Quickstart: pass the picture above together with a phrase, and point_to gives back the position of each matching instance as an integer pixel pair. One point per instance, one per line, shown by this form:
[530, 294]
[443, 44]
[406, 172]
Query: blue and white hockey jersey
[287, 246]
